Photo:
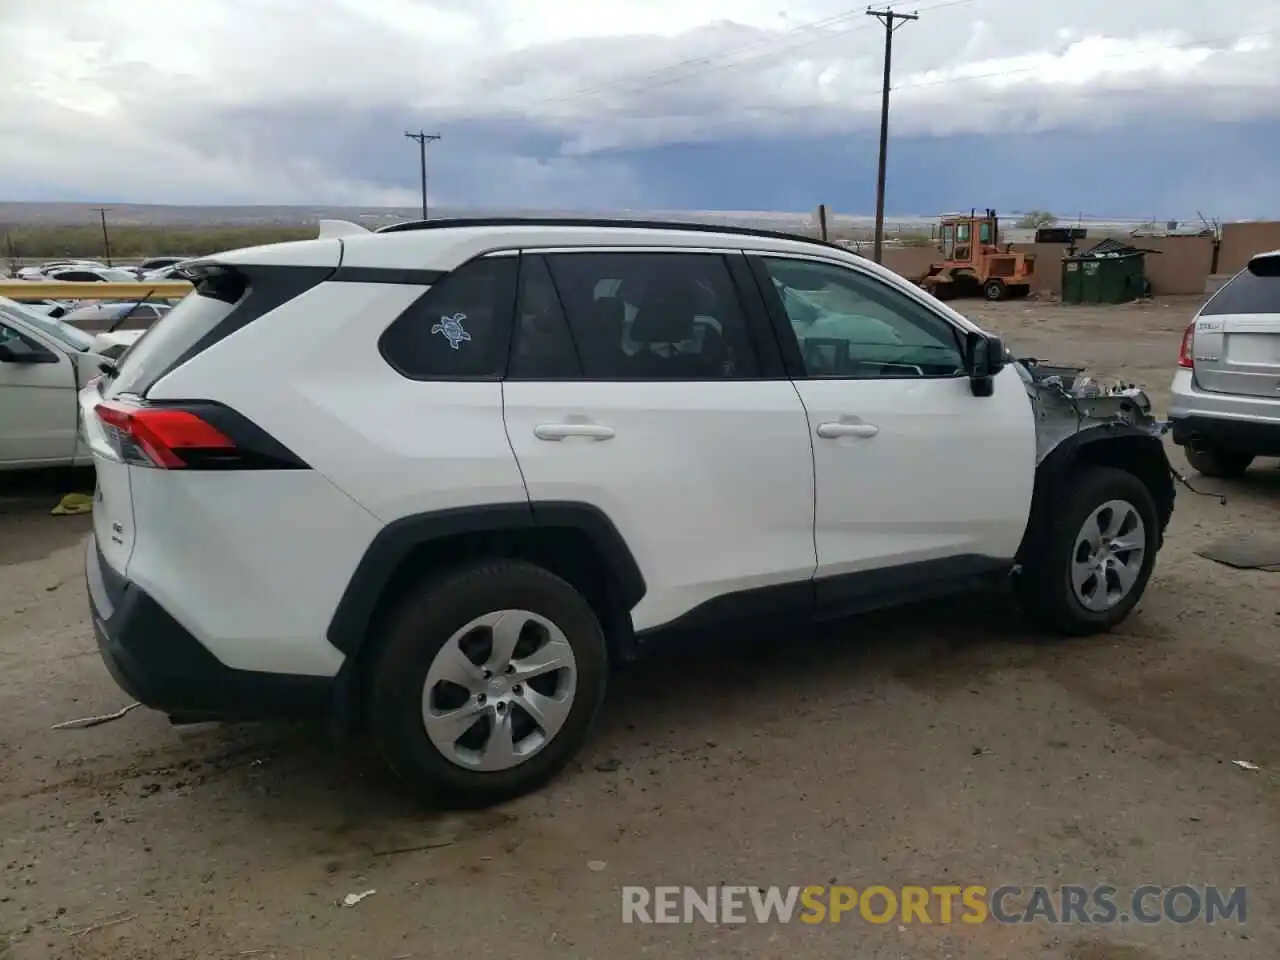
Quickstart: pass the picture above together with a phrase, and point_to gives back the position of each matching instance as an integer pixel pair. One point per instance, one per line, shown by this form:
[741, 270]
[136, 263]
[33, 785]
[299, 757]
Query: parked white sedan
[43, 364]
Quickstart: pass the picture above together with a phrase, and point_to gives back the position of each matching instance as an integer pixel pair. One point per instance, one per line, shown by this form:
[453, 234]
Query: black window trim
[789, 345]
[759, 327]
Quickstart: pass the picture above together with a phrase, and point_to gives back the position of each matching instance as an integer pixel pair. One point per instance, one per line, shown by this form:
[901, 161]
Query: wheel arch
[576, 541]
[1120, 446]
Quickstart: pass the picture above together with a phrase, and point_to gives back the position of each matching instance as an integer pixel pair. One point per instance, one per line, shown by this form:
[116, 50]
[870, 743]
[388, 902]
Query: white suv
[440, 478]
[1225, 405]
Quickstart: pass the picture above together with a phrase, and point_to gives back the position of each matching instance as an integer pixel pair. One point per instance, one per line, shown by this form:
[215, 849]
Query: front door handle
[563, 431]
[836, 429]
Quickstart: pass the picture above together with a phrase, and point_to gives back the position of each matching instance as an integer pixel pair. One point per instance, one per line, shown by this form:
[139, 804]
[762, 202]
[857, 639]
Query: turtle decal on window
[451, 329]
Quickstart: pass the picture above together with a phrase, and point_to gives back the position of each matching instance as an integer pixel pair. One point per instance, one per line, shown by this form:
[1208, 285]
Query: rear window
[176, 332]
[1248, 292]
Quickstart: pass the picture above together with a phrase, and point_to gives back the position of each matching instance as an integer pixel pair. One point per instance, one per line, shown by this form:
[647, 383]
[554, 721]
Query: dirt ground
[935, 745]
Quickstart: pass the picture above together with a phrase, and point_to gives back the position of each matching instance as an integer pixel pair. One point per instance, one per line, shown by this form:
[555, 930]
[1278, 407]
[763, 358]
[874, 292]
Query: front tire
[994, 290]
[1088, 565]
[487, 684]
[1209, 461]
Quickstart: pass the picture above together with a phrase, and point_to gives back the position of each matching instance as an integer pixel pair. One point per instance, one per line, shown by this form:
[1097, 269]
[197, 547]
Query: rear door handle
[836, 429]
[563, 431]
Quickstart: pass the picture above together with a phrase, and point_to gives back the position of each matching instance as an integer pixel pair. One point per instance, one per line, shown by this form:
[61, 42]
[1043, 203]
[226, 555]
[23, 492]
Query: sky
[1120, 108]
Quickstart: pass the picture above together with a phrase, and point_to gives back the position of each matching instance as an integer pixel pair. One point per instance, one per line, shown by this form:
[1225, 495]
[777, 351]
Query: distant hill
[34, 214]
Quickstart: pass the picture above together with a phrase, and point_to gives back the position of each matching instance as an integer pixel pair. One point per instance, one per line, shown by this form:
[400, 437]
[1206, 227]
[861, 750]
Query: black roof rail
[691, 226]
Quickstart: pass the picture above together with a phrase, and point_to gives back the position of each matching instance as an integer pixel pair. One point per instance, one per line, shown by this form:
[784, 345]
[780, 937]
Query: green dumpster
[1110, 272]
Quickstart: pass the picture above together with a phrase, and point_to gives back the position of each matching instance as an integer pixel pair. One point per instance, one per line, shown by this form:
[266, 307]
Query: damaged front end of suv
[1082, 423]
[1086, 431]
[1067, 404]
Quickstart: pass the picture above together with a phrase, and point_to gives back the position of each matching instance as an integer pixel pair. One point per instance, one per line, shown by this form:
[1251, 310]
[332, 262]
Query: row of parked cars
[95, 271]
[50, 348]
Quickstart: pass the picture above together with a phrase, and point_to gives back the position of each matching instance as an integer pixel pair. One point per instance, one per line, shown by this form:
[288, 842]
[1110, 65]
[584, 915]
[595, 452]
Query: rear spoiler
[1265, 264]
[330, 229]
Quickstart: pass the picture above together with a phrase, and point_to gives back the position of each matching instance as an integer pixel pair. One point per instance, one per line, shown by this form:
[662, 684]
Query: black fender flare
[1120, 445]
[359, 602]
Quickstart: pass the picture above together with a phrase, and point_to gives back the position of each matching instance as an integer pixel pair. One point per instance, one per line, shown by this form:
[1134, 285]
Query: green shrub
[133, 242]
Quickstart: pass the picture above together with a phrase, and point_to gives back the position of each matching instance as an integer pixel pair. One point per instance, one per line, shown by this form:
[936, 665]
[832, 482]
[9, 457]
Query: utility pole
[106, 240]
[423, 139]
[892, 21]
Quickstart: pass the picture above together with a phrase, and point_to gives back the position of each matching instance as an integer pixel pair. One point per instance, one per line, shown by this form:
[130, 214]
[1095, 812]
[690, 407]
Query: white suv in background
[1226, 392]
[440, 478]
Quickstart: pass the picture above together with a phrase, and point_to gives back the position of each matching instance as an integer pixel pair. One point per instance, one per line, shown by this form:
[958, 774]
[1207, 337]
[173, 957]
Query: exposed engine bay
[1066, 403]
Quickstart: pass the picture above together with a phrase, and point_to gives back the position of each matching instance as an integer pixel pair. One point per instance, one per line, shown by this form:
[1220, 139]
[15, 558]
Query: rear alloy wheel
[499, 690]
[1090, 561]
[487, 684]
[1210, 461]
[994, 290]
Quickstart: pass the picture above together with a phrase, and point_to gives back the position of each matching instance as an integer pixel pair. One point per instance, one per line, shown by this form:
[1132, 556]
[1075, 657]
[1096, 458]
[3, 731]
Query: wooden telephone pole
[106, 238]
[423, 139]
[892, 21]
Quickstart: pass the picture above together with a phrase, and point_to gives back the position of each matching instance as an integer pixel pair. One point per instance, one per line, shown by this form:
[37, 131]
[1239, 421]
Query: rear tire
[436, 623]
[994, 290]
[1211, 461]
[1053, 585]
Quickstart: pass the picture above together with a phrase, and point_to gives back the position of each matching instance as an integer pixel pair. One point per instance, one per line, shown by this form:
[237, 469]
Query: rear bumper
[1261, 439]
[1247, 424]
[161, 665]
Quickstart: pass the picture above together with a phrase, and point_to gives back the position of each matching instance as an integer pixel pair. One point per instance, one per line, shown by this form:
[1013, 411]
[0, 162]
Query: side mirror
[7, 355]
[985, 357]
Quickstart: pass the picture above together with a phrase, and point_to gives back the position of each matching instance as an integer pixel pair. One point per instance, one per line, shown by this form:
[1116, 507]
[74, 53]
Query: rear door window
[543, 348]
[653, 316]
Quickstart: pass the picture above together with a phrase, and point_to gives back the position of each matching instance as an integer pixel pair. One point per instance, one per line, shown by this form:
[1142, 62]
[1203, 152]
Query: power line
[892, 23]
[711, 65]
[706, 60]
[423, 139]
[1015, 71]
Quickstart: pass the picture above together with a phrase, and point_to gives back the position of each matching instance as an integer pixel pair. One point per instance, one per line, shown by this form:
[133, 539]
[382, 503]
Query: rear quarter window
[460, 328]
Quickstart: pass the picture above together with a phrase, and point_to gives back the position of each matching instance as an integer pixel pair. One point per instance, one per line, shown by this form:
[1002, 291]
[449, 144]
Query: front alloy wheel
[1090, 554]
[1108, 555]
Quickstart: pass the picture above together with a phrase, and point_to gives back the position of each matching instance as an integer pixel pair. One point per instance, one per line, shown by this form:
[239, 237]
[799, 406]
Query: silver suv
[1225, 406]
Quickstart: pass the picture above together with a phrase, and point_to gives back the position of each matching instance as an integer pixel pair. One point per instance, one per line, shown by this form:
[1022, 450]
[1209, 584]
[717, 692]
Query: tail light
[1185, 357]
[190, 437]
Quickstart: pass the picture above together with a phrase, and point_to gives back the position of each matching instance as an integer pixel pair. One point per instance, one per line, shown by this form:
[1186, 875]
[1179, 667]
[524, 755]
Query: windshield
[64, 333]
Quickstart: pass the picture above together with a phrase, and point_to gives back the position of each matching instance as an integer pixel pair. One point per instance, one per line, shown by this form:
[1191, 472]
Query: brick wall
[1240, 241]
[910, 262]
